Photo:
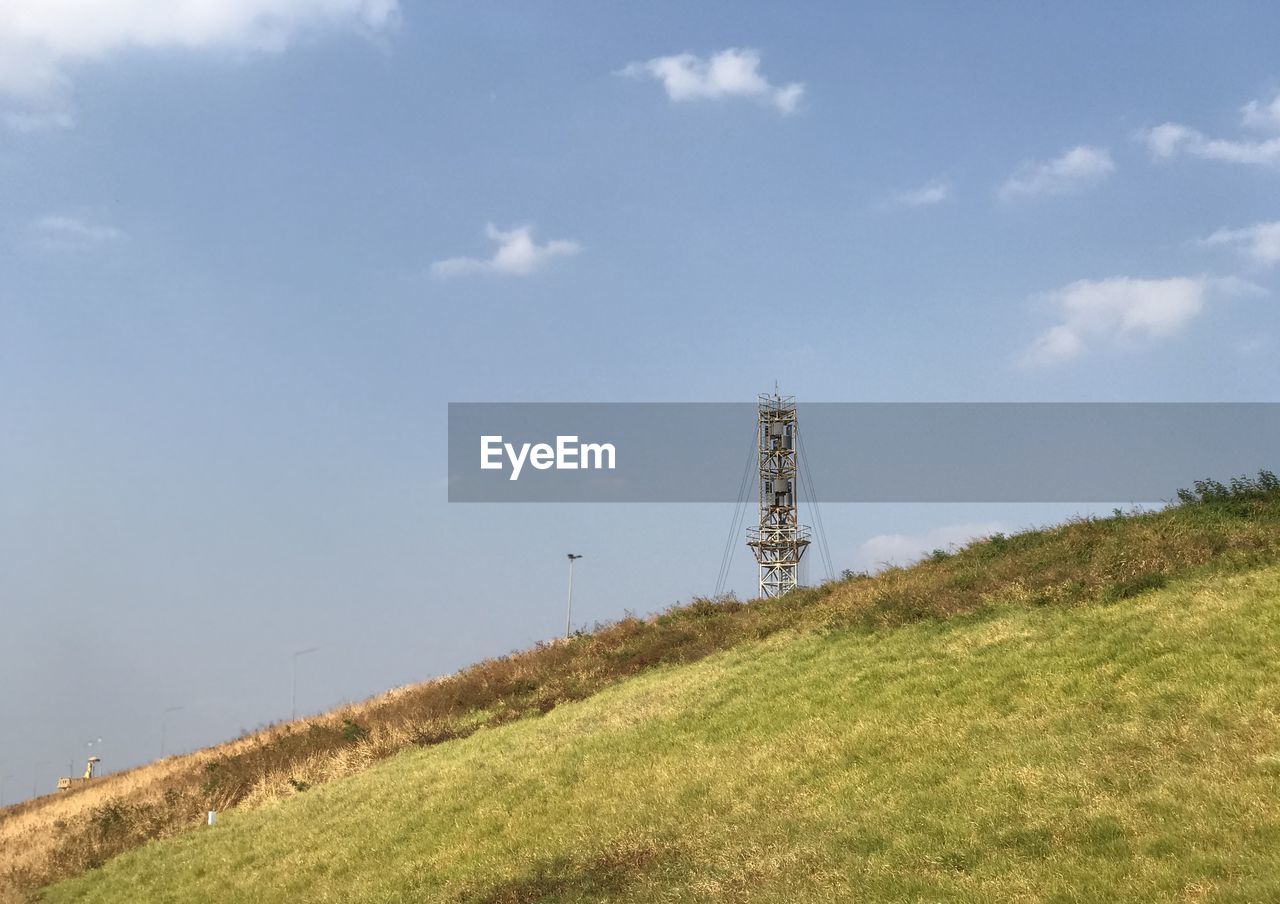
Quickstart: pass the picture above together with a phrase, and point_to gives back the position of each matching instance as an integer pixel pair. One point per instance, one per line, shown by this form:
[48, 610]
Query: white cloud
[41, 41]
[925, 196]
[517, 255]
[1121, 310]
[903, 549]
[1172, 139]
[1076, 167]
[1257, 115]
[727, 74]
[1259, 242]
[63, 231]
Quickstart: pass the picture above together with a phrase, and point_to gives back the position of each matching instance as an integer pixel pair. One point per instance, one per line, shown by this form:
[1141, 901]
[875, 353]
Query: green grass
[1216, 529]
[1123, 751]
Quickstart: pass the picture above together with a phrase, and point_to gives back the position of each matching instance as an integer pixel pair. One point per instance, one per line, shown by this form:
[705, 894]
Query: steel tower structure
[780, 540]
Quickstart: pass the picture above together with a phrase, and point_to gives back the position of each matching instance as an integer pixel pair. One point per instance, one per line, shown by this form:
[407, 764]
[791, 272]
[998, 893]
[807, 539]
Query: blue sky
[250, 250]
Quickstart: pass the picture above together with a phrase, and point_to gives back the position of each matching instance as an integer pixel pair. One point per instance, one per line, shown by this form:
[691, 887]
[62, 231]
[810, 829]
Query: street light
[164, 725]
[293, 692]
[568, 617]
[35, 777]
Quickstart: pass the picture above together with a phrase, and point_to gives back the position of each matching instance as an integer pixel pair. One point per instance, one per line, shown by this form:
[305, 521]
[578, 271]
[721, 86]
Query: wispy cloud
[29, 121]
[517, 254]
[1173, 139]
[1121, 310]
[732, 73]
[903, 549]
[926, 195]
[56, 231]
[1079, 166]
[1262, 115]
[1259, 243]
[1255, 344]
[42, 40]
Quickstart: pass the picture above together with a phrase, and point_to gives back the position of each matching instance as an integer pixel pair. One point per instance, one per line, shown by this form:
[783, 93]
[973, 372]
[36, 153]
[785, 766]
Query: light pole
[35, 777]
[164, 725]
[293, 692]
[568, 617]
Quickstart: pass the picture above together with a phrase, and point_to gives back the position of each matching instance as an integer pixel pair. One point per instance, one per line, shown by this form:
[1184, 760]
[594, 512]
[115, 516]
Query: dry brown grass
[1087, 560]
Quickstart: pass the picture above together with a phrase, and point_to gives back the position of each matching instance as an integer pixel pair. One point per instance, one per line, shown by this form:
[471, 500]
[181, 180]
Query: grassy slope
[1220, 531]
[1125, 751]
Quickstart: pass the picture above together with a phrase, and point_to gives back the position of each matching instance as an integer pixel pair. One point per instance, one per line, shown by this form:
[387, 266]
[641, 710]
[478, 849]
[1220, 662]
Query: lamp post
[293, 692]
[164, 725]
[568, 617]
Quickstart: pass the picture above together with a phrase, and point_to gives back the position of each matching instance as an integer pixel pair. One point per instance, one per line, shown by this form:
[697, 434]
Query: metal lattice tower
[780, 540]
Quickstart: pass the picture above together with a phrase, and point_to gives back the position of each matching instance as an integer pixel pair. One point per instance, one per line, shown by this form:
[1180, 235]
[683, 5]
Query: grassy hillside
[1128, 751]
[1216, 531]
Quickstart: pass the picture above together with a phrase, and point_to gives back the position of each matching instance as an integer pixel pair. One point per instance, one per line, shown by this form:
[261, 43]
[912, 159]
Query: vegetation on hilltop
[1123, 752]
[1215, 528]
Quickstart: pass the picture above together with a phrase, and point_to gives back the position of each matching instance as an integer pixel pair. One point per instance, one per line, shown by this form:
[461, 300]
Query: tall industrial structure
[780, 540]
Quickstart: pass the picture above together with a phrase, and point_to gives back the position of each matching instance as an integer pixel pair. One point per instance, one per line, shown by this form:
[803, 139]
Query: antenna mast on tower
[780, 540]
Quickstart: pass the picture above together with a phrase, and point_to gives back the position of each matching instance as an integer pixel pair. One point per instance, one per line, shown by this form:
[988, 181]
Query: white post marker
[213, 816]
[568, 618]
